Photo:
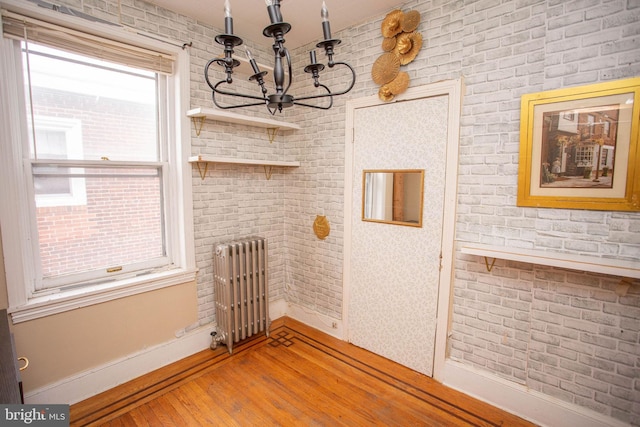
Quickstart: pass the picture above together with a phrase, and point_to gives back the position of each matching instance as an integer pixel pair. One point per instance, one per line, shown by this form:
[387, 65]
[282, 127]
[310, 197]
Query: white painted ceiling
[250, 16]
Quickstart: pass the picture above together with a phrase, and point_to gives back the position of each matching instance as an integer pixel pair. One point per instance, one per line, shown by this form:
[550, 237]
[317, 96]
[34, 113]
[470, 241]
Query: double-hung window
[101, 203]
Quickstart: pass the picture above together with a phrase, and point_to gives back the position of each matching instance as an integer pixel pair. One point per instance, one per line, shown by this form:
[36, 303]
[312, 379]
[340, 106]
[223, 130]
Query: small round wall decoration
[321, 227]
[407, 47]
[388, 43]
[399, 84]
[409, 21]
[392, 24]
[385, 68]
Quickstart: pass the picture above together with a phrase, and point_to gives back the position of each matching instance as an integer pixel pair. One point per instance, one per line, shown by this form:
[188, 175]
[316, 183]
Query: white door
[393, 275]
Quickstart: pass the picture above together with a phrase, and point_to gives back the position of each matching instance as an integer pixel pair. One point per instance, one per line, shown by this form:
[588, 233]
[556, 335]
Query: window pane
[52, 145]
[120, 224]
[115, 106]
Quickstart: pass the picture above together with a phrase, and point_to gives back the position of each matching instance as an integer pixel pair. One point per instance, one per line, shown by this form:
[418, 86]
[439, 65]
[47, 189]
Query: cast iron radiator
[241, 291]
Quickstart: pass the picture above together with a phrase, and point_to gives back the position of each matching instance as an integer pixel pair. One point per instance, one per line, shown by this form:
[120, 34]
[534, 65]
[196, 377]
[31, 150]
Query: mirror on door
[393, 196]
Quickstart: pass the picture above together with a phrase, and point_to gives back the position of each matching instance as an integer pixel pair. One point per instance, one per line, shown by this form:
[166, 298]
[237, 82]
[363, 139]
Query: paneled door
[393, 272]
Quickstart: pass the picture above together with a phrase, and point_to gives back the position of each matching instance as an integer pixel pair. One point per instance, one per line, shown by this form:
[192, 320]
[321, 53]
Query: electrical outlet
[334, 325]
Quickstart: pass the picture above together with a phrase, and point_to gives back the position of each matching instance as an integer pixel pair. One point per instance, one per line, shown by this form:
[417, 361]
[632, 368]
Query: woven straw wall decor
[401, 44]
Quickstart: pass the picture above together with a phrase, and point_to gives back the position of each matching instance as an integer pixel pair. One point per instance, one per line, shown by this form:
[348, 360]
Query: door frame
[453, 89]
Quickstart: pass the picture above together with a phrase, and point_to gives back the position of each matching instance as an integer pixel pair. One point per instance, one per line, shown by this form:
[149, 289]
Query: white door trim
[452, 89]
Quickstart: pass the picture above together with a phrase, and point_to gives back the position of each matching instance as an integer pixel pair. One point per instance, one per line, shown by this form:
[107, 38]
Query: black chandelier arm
[206, 73]
[241, 95]
[289, 66]
[319, 107]
[331, 94]
[230, 107]
[215, 91]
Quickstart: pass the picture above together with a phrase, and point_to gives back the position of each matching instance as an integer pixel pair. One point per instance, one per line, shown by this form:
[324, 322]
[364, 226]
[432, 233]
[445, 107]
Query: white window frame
[17, 206]
[73, 138]
[585, 155]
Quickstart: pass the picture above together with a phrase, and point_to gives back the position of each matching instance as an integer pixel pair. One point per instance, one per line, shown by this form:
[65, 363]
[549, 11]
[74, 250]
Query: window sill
[61, 302]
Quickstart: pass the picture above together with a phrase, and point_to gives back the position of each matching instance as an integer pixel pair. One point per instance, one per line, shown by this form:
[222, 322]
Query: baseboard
[326, 324]
[277, 309]
[536, 407]
[89, 383]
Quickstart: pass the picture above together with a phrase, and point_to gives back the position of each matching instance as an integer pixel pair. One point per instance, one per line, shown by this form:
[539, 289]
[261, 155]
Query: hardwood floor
[296, 376]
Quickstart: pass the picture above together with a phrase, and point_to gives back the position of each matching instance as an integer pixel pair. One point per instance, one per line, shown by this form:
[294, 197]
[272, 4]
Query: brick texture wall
[570, 335]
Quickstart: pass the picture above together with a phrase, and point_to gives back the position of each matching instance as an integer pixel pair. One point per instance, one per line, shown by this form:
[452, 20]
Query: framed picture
[580, 149]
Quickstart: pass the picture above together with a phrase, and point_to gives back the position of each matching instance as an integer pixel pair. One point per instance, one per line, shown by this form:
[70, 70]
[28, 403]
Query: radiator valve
[216, 338]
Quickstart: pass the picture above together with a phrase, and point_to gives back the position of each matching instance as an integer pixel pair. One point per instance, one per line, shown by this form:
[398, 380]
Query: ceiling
[250, 16]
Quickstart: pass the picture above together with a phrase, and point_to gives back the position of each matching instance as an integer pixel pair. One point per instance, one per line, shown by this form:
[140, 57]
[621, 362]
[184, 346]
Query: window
[120, 225]
[591, 123]
[606, 157]
[58, 138]
[102, 203]
[584, 155]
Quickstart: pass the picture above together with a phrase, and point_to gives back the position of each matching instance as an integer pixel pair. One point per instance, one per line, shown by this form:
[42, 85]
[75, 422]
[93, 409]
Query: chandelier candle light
[275, 102]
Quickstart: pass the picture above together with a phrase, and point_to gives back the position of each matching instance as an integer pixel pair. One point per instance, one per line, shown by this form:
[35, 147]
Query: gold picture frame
[579, 147]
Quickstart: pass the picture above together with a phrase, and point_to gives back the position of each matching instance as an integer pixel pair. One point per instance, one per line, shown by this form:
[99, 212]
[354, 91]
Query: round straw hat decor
[385, 94]
[410, 21]
[385, 68]
[399, 84]
[391, 24]
[407, 47]
[388, 43]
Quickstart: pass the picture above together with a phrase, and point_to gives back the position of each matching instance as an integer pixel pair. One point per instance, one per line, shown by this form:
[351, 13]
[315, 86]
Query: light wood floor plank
[296, 376]
[346, 390]
[165, 414]
[138, 418]
[311, 386]
[376, 375]
[203, 406]
[280, 401]
[384, 398]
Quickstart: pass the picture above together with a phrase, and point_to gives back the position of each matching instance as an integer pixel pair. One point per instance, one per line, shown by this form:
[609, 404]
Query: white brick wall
[570, 335]
[545, 328]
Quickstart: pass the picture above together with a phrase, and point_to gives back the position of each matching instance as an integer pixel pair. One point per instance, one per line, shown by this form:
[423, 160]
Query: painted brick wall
[570, 335]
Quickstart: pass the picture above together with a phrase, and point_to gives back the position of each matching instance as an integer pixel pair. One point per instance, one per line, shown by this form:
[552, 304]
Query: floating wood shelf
[592, 264]
[200, 114]
[203, 163]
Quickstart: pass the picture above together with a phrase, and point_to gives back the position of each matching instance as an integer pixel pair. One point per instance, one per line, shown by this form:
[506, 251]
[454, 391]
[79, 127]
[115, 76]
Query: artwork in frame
[580, 149]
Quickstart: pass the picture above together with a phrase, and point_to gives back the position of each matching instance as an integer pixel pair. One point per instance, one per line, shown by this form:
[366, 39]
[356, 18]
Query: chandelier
[275, 102]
